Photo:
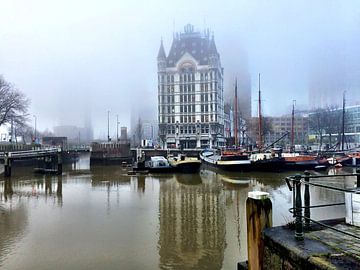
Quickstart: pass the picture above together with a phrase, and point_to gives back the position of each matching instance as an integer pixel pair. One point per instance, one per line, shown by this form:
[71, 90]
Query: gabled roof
[198, 46]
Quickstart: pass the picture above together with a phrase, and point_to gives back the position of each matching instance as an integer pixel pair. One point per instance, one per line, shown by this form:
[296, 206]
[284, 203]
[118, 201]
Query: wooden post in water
[48, 162]
[259, 217]
[59, 162]
[7, 165]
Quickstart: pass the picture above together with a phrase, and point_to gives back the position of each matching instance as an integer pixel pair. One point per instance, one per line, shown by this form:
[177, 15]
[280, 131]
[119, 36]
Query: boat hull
[228, 166]
[271, 165]
[189, 167]
[350, 162]
[302, 165]
[161, 169]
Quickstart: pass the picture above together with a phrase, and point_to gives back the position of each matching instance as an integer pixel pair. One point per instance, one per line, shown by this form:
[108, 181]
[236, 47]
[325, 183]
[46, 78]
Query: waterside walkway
[322, 248]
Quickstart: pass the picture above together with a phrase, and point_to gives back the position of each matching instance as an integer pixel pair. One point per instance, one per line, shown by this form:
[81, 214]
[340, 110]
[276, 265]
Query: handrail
[296, 210]
[30, 153]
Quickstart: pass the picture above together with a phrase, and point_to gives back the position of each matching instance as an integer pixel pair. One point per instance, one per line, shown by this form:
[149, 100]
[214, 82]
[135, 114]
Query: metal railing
[303, 222]
[30, 153]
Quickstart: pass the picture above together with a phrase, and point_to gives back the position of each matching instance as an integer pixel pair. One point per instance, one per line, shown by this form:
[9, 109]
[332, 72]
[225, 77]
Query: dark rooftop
[200, 46]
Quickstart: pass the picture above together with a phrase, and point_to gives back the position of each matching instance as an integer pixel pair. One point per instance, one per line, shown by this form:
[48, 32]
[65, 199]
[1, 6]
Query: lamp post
[117, 128]
[108, 127]
[35, 118]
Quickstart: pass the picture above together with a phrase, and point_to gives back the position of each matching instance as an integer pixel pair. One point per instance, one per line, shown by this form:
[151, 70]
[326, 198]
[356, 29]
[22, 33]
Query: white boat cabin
[158, 161]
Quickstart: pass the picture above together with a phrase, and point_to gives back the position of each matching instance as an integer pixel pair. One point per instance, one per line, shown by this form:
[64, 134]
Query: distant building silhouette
[74, 134]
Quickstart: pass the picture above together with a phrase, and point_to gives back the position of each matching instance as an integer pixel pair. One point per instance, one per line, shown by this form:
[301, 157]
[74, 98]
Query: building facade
[331, 123]
[282, 124]
[190, 92]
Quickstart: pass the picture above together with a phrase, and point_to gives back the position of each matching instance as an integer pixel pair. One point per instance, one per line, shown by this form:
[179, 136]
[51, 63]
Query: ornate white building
[190, 92]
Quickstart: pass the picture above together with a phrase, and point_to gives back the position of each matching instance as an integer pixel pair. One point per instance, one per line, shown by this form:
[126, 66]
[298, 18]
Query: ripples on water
[104, 219]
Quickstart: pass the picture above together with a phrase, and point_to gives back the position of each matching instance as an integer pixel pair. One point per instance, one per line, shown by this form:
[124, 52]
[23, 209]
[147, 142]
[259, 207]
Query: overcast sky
[83, 57]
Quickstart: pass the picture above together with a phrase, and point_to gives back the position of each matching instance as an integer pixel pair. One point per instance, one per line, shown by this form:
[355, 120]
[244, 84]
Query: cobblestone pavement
[342, 243]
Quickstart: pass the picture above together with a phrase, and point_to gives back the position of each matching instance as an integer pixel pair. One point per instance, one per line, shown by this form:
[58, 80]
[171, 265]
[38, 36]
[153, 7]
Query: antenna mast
[260, 118]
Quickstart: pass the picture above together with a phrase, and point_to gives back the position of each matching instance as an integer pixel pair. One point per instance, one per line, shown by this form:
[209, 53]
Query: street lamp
[117, 128]
[35, 118]
[108, 127]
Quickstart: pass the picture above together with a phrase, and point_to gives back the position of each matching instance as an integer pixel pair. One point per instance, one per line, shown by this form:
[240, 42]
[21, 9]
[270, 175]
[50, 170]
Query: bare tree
[253, 127]
[13, 103]
[22, 130]
[332, 121]
[317, 123]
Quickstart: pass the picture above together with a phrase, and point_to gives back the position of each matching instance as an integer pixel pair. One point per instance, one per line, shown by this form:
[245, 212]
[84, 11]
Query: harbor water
[102, 218]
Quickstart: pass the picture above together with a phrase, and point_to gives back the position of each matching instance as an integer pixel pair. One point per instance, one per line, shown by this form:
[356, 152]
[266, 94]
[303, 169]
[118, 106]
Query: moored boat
[159, 164]
[185, 164]
[352, 159]
[297, 162]
[226, 160]
[267, 162]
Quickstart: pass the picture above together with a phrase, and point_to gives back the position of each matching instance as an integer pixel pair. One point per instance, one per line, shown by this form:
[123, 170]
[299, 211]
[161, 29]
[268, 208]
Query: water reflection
[32, 188]
[141, 183]
[13, 220]
[8, 190]
[189, 179]
[192, 219]
[117, 221]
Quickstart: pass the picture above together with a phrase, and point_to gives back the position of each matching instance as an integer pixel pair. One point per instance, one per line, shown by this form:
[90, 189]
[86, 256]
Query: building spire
[212, 46]
[161, 54]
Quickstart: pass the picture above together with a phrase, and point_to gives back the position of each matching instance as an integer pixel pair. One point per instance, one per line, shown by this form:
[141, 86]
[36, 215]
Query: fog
[81, 58]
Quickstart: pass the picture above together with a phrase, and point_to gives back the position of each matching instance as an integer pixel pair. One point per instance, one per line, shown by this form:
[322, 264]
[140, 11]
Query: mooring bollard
[299, 233]
[307, 201]
[259, 217]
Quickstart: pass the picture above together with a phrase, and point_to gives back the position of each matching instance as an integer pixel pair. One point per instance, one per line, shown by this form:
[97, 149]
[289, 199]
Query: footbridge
[52, 156]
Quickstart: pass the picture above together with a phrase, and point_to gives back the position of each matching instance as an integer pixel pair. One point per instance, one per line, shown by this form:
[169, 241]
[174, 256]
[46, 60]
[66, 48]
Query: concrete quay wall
[282, 251]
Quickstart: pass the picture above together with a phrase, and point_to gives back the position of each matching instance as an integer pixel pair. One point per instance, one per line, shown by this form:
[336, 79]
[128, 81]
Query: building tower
[190, 92]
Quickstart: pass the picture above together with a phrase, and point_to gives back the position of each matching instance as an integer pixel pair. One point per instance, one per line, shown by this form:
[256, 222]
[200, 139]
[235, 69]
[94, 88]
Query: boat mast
[236, 116]
[260, 118]
[292, 126]
[343, 124]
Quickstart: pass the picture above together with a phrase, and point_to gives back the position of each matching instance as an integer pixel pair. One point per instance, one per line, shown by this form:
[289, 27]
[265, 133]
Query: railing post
[358, 178]
[299, 233]
[307, 201]
[294, 199]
